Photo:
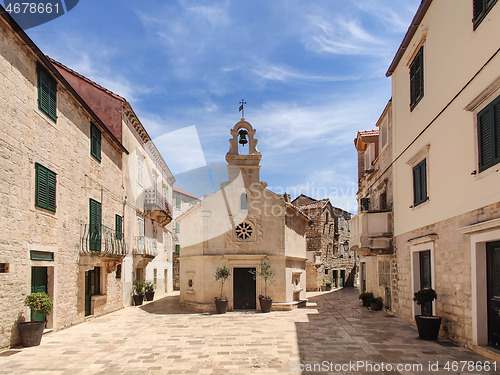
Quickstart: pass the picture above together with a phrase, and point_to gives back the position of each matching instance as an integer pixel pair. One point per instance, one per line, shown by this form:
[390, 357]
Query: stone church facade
[240, 225]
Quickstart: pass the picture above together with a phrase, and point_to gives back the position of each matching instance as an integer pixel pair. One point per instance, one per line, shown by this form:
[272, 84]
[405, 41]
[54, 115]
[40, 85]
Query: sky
[311, 72]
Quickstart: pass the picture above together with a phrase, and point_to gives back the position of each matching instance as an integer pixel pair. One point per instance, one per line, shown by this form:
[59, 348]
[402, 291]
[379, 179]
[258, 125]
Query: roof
[177, 190]
[412, 29]
[69, 70]
[298, 210]
[368, 133]
[318, 204]
[53, 70]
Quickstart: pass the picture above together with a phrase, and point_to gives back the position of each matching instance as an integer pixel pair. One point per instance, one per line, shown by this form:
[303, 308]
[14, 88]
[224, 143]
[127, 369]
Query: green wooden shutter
[118, 226]
[95, 225]
[417, 78]
[45, 188]
[95, 141]
[178, 202]
[485, 141]
[47, 93]
[420, 183]
[496, 130]
[478, 9]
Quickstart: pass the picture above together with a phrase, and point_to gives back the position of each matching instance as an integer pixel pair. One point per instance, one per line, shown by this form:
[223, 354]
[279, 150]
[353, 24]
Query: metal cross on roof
[241, 109]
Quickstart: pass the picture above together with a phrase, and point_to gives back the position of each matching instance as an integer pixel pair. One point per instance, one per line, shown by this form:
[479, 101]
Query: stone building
[372, 226]
[147, 181]
[238, 226]
[182, 202]
[328, 257]
[61, 196]
[446, 155]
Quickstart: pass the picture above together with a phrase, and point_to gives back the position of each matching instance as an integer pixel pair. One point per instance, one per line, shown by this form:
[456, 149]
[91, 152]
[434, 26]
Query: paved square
[159, 338]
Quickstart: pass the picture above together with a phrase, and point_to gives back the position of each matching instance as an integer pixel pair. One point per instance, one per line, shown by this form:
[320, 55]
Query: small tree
[149, 287]
[138, 287]
[424, 298]
[221, 275]
[266, 273]
[39, 302]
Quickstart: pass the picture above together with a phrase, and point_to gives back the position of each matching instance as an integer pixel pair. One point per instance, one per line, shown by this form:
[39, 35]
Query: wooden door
[244, 288]
[493, 282]
[38, 285]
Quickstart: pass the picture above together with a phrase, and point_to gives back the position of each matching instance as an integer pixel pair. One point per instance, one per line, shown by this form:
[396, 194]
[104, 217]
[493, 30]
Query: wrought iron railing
[146, 246]
[103, 240]
[156, 201]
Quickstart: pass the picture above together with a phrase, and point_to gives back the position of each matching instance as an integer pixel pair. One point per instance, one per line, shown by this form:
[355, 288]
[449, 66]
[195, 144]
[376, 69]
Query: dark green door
[493, 277]
[363, 277]
[425, 276]
[244, 288]
[88, 294]
[38, 285]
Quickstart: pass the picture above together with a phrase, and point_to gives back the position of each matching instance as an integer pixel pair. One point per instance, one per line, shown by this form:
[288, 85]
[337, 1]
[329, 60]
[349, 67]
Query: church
[238, 226]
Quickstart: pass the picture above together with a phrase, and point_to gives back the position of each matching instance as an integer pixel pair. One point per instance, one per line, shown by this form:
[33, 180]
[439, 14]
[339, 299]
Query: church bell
[243, 136]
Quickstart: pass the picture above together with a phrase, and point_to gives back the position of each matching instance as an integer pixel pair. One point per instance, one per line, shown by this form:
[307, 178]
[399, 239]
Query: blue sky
[312, 74]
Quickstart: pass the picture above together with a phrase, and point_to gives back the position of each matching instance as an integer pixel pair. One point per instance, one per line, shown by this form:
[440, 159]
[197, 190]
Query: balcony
[371, 233]
[146, 247]
[157, 208]
[103, 241]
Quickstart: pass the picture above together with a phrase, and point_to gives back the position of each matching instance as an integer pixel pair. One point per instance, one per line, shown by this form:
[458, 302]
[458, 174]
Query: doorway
[425, 276]
[493, 282]
[363, 277]
[92, 287]
[38, 285]
[342, 278]
[244, 288]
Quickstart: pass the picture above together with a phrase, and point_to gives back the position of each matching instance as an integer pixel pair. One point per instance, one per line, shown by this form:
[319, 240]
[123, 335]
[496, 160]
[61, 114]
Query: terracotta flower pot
[266, 304]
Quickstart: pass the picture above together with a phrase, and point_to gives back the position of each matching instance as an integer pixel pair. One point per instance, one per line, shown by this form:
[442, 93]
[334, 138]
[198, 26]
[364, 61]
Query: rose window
[244, 231]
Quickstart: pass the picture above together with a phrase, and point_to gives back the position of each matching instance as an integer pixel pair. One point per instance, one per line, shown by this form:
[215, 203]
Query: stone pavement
[333, 332]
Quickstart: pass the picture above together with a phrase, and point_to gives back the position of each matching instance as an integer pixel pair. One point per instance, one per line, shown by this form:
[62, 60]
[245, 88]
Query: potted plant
[376, 304]
[267, 274]
[149, 290]
[31, 332]
[138, 292]
[366, 297]
[221, 275]
[427, 324]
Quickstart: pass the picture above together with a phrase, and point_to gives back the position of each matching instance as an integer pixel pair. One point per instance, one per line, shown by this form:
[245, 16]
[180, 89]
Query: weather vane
[242, 110]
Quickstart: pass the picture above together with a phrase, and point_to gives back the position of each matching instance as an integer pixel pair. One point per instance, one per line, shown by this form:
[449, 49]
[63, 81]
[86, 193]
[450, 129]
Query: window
[384, 272]
[383, 133]
[95, 225]
[177, 228]
[178, 202]
[365, 204]
[481, 9]
[41, 255]
[417, 78]
[326, 271]
[420, 183]
[45, 188]
[244, 201]
[244, 230]
[369, 156]
[47, 93]
[488, 128]
[95, 141]
[119, 227]
[118, 274]
[155, 277]
[177, 248]
[140, 163]
[4, 267]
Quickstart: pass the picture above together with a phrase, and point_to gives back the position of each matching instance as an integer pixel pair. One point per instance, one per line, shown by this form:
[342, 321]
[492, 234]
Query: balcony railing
[102, 240]
[371, 232]
[146, 246]
[157, 207]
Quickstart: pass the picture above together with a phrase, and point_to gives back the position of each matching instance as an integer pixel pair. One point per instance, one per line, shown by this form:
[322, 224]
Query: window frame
[47, 94]
[48, 185]
[417, 73]
[95, 141]
[492, 134]
[178, 202]
[118, 227]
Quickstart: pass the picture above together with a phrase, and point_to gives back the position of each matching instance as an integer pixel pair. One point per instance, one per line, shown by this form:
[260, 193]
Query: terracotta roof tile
[180, 191]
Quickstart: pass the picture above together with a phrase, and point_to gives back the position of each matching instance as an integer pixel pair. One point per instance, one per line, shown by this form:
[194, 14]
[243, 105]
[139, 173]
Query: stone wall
[452, 264]
[28, 136]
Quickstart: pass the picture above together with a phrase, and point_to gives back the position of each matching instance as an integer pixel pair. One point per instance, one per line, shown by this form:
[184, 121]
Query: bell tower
[247, 165]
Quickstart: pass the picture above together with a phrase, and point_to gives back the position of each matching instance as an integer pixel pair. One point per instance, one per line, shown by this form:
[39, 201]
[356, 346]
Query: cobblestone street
[158, 338]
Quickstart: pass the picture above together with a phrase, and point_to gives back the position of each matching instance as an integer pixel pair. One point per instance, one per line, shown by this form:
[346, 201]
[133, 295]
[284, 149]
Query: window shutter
[47, 93]
[485, 154]
[420, 183]
[417, 78]
[45, 188]
[496, 129]
[478, 8]
[423, 180]
[118, 226]
[95, 225]
[416, 185]
[95, 141]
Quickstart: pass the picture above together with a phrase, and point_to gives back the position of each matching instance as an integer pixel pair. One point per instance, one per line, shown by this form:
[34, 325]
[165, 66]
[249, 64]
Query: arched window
[244, 201]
